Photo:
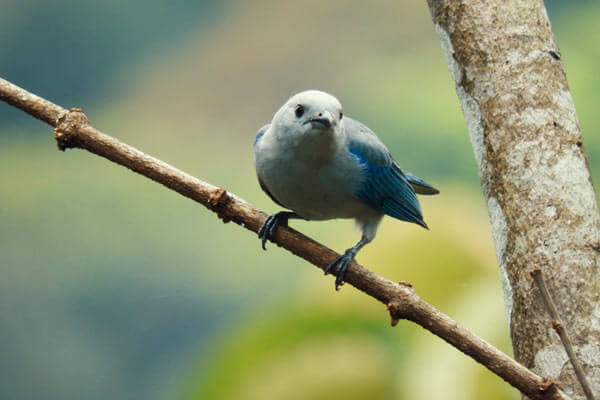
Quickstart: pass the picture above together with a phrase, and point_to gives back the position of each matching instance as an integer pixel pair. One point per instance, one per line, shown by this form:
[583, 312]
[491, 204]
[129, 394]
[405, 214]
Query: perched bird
[322, 165]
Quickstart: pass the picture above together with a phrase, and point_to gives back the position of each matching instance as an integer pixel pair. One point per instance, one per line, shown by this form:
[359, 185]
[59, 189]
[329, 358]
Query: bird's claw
[341, 266]
[267, 230]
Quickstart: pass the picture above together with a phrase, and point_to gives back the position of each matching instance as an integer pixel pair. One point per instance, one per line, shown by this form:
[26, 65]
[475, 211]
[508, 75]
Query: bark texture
[513, 90]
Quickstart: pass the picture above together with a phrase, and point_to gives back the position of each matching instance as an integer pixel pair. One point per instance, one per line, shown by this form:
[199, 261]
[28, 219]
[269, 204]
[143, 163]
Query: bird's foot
[340, 264]
[267, 230]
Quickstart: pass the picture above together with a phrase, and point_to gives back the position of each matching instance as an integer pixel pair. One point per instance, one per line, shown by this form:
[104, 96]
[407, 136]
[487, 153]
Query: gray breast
[314, 190]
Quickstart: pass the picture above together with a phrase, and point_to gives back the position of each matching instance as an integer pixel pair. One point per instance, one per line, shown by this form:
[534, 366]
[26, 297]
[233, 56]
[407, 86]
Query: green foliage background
[113, 287]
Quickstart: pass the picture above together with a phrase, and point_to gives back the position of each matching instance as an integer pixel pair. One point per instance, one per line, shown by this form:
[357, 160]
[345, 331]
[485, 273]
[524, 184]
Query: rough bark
[513, 89]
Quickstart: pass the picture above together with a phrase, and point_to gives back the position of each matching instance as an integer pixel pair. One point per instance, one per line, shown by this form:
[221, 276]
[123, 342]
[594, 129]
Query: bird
[319, 164]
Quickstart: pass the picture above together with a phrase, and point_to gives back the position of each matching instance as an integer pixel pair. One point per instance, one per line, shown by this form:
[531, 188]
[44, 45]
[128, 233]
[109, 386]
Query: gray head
[309, 113]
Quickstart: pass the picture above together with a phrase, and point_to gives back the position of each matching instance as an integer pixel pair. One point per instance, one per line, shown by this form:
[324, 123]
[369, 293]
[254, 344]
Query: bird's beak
[322, 120]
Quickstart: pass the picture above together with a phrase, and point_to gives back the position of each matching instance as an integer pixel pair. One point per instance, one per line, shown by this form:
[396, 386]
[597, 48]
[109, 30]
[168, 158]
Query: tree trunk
[520, 115]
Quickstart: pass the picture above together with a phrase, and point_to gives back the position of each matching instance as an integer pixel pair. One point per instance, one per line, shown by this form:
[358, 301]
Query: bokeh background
[114, 288]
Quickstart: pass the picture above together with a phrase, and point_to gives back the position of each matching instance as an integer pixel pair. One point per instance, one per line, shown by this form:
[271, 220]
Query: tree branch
[72, 130]
[559, 327]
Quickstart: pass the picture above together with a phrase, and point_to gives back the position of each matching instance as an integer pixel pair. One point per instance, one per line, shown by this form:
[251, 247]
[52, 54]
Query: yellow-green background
[112, 287]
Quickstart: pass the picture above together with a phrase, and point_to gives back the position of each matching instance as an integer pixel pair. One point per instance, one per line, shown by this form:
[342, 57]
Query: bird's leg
[341, 262]
[267, 230]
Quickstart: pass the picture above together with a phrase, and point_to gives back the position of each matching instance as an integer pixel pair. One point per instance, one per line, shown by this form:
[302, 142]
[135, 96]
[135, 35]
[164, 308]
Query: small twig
[73, 130]
[559, 327]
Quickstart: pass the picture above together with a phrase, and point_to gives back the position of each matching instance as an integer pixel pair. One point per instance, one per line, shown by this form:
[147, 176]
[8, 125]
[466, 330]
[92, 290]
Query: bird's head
[311, 113]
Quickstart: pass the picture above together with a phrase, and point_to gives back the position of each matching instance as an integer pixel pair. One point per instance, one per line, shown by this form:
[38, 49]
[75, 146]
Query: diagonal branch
[72, 130]
[559, 327]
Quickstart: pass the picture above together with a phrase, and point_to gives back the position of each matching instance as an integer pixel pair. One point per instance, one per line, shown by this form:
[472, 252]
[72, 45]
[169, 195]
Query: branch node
[68, 124]
[217, 200]
[535, 271]
[390, 308]
[546, 385]
[397, 311]
[556, 325]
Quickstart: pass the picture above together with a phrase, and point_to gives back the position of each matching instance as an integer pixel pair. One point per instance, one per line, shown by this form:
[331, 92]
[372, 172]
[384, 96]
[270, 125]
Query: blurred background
[114, 288]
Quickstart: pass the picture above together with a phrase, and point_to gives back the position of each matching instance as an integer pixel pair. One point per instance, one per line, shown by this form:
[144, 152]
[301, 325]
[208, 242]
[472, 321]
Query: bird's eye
[299, 110]
[341, 115]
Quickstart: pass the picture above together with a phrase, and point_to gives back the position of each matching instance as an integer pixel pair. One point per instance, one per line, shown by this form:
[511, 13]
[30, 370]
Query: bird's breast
[316, 189]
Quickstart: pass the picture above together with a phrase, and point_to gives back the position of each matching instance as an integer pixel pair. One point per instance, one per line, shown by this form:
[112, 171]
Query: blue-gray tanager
[322, 165]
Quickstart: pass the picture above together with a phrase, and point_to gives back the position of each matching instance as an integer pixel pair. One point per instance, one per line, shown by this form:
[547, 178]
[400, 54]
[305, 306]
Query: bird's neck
[319, 147]
[315, 147]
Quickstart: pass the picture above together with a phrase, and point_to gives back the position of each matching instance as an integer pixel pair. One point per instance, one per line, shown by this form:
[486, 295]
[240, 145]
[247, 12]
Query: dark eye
[341, 115]
[299, 110]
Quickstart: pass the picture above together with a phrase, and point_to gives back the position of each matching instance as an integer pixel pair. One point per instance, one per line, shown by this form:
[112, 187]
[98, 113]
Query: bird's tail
[419, 185]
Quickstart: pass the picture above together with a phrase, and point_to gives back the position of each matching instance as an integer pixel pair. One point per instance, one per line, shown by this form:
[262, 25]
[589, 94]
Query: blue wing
[385, 187]
[260, 133]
